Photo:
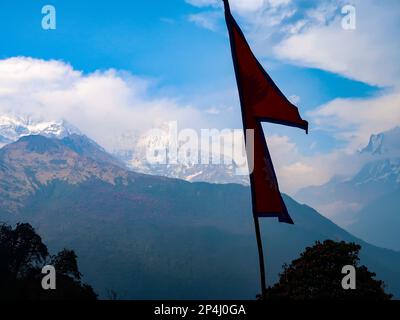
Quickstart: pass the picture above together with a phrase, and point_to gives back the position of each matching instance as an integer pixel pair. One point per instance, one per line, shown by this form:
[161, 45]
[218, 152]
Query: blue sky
[181, 50]
[151, 39]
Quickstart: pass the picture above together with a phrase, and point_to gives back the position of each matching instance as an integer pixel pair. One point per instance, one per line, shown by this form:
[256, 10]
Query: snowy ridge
[130, 148]
[384, 143]
[13, 128]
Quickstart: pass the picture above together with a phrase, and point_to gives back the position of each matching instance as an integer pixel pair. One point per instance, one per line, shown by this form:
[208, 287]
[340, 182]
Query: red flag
[261, 101]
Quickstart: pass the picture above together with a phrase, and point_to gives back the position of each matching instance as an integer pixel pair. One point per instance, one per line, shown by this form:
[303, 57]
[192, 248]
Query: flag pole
[260, 256]
[255, 216]
[260, 99]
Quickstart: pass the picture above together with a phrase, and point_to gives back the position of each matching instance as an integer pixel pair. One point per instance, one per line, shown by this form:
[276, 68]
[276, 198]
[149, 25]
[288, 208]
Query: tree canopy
[317, 274]
[22, 257]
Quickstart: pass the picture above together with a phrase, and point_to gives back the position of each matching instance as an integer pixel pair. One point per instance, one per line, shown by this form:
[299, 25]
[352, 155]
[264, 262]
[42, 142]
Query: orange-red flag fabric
[261, 101]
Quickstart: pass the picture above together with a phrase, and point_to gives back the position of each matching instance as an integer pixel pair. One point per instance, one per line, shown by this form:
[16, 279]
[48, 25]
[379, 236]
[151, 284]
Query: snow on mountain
[13, 128]
[384, 166]
[130, 148]
[384, 143]
[386, 170]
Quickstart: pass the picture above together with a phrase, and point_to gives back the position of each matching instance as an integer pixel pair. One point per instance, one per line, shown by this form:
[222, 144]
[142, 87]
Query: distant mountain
[154, 237]
[132, 150]
[129, 148]
[346, 197]
[384, 143]
[372, 187]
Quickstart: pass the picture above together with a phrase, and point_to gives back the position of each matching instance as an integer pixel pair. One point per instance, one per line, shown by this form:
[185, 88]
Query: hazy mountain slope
[153, 237]
[348, 197]
[360, 202]
[379, 222]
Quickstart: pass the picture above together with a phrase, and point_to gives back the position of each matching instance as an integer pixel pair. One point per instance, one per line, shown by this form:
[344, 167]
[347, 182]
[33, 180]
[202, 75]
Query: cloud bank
[102, 104]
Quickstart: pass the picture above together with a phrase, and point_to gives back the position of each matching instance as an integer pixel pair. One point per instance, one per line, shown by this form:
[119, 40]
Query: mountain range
[130, 148]
[349, 198]
[152, 237]
[135, 158]
[370, 198]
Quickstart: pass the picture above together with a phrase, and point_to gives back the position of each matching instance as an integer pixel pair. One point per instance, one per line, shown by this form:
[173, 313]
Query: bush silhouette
[317, 274]
[22, 257]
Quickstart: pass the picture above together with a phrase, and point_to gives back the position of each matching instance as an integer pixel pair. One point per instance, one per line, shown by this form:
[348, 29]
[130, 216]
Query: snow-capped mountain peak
[384, 143]
[132, 148]
[13, 128]
[129, 148]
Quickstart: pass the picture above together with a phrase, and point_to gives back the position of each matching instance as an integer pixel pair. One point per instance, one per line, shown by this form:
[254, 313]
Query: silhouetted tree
[66, 263]
[22, 257]
[317, 274]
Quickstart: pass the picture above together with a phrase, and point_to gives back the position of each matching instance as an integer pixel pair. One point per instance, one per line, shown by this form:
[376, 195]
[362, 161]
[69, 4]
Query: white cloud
[354, 120]
[368, 54]
[100, 104]
[293, 170]
[311, 34]
[213, 110]
[342, 213]
[206, 20]
[296, 170]
[247, 5]
[349, 120]
[242, 5]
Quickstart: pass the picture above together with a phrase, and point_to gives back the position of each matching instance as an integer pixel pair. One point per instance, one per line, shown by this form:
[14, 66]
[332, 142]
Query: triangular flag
[261, 101]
